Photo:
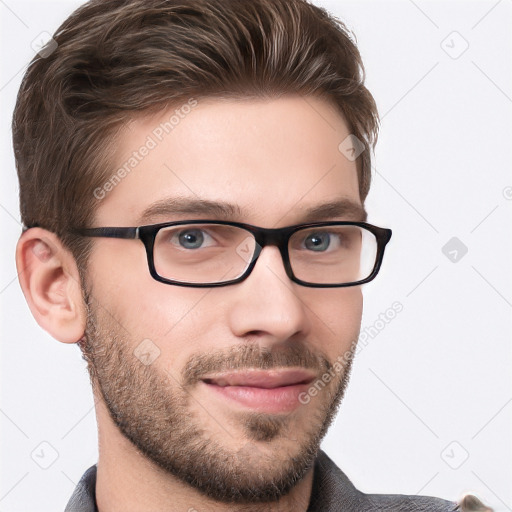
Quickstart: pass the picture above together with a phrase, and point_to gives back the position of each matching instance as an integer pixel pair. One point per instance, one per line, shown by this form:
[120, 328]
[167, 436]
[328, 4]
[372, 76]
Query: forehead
[272, 159]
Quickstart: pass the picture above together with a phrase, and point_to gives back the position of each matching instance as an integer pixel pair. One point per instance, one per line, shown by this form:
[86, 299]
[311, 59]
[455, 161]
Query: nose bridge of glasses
[274, 237]
[271, 236]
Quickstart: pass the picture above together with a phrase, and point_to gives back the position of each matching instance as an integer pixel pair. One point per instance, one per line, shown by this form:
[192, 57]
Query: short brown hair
[116, 59]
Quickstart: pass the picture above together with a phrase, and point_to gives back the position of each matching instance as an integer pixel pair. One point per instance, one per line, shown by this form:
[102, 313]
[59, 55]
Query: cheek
[142, 307]
[338, 319]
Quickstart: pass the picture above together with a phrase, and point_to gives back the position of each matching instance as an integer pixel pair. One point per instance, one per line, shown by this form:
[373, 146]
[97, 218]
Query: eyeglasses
[207, 253]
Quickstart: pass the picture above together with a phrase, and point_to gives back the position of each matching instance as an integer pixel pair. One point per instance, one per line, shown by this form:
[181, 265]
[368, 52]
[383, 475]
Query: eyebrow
[222, 210]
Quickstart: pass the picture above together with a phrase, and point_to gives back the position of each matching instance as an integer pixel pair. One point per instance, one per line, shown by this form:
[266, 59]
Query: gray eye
[318, 241]
[191, 238]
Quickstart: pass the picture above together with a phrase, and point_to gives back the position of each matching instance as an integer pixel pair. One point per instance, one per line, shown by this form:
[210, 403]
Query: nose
[268, 303]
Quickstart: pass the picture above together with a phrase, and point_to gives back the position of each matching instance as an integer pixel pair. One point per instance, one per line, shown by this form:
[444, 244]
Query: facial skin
[167, 440]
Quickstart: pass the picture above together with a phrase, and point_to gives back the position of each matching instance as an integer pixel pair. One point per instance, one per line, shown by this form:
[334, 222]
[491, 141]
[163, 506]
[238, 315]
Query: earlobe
[50, 281]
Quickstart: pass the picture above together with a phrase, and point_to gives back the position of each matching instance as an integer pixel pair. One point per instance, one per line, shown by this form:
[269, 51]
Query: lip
[267, 379]
[271, 391]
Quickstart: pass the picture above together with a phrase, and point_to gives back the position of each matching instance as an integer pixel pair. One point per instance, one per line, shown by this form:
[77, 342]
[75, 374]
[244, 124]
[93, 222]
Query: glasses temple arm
[128, 233]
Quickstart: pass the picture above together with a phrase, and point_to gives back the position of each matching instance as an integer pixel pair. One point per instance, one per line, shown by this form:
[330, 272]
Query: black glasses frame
[263, 236]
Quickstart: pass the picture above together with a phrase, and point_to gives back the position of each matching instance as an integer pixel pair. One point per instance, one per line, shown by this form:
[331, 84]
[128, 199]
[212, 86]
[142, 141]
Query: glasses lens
[333, 254]
[202, 253]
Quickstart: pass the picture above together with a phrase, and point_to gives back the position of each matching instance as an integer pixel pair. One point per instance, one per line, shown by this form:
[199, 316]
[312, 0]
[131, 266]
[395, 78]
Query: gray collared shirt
[332, 492]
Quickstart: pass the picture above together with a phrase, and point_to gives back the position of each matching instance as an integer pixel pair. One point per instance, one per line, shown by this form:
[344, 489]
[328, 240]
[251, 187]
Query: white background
[429, 407]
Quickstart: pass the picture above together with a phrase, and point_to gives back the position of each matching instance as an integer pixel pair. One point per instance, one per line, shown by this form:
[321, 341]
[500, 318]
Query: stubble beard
[156, 411]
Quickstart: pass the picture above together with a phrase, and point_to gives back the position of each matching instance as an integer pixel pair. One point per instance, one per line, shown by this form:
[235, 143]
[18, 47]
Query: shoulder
[333, 491]
[83, 498]
[407, 503]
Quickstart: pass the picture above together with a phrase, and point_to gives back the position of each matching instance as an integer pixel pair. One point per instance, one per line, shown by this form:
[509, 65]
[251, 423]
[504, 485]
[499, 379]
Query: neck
[127, 481]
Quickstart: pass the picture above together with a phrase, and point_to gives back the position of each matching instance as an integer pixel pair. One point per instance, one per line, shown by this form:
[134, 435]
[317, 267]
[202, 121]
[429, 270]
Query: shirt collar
[332, 491]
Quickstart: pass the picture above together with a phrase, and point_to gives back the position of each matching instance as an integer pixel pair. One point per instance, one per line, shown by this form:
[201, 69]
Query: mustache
[252, 356]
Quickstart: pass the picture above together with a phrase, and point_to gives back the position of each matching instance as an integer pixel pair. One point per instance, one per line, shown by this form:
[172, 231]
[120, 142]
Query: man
[192, 182]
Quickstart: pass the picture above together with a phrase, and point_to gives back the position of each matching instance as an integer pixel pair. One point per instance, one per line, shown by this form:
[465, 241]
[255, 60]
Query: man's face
[161, 354]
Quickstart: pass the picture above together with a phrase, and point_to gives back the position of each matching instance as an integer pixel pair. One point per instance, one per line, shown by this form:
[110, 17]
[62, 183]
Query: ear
[50, 281]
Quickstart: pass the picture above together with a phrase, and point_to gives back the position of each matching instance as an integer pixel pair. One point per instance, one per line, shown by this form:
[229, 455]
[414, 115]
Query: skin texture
[166, 441]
